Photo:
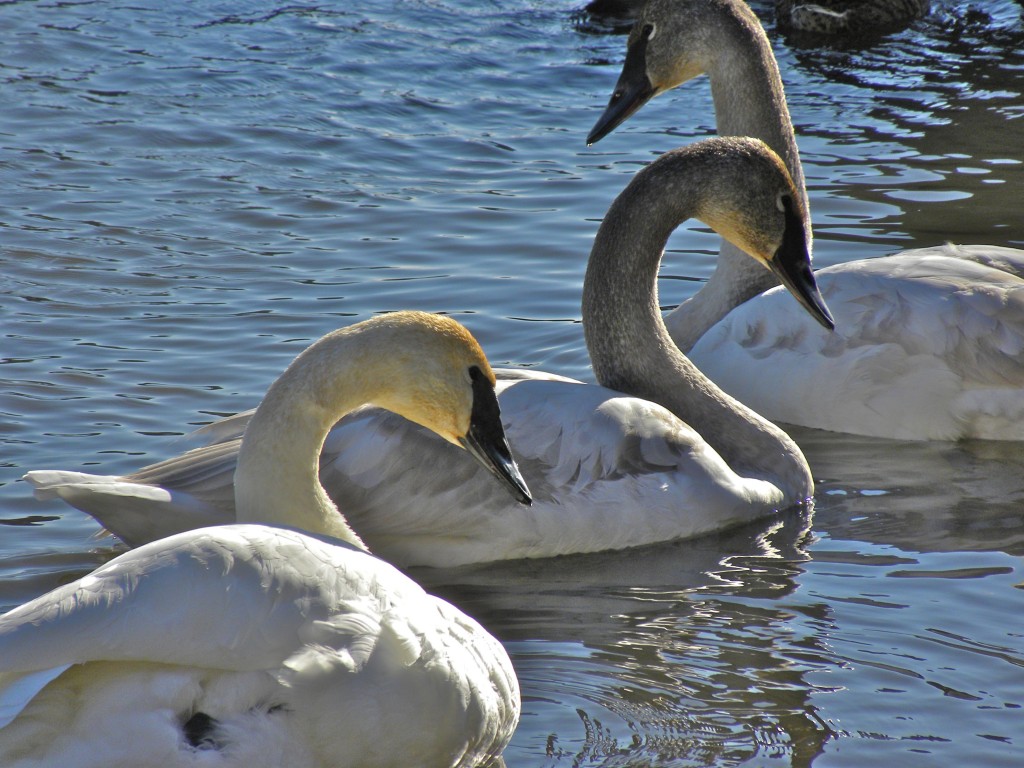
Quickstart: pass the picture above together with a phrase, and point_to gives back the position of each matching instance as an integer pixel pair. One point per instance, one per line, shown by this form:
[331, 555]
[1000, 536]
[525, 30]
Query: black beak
[792, 266]
[632, 91]
[486, 440]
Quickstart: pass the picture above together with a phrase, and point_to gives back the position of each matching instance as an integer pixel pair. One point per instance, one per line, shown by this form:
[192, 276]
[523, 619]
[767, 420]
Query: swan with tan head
[260, 645]
[657, 453]
[929, 343]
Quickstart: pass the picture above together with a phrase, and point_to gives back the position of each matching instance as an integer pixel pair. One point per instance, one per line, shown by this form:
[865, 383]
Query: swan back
[287, 641]
[426, 368]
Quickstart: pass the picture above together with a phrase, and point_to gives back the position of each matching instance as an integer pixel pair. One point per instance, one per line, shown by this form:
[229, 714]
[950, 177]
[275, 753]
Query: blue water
[190, 194]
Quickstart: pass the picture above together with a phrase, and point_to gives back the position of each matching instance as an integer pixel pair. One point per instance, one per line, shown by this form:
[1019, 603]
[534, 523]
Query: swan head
[668, 45]
[426, 368]
[752, 202]
[435, 374]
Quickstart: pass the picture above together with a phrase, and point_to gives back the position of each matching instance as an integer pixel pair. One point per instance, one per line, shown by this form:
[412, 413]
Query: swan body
[317, 655]
[963, 378]
[658, 454]
[254, 644]
[927, 343]
[594, 459]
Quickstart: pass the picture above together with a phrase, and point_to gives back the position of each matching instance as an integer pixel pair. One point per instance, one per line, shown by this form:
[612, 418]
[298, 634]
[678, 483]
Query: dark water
[189, 194]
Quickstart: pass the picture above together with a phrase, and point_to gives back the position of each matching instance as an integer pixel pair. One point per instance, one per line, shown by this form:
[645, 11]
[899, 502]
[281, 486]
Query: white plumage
[256, 645]
[304, 652]
[933, 348]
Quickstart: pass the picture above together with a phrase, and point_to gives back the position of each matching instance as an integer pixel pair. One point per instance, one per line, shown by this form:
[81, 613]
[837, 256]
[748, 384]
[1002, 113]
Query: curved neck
[749, 101]
[747, 90]
[277, 478]
[630, 347]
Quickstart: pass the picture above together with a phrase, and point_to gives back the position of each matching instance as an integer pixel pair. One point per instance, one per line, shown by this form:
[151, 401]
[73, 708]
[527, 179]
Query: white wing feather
[299, 648]
[592, 457]
[233, 598]
[929, 344]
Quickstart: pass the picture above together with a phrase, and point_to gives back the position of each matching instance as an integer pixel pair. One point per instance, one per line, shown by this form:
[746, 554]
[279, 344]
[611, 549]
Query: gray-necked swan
[658, 453]
[258, 645]
[929, 343]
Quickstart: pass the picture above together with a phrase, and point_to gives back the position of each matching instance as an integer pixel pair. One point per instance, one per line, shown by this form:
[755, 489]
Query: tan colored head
[427, 368]
[434, 373]
[430, 358]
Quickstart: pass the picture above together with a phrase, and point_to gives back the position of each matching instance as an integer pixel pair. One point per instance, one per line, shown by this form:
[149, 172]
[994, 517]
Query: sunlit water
[189, 194]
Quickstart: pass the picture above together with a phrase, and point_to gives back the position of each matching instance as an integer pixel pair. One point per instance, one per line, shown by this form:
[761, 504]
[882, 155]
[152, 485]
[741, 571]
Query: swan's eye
[647, 33]
[783, 202]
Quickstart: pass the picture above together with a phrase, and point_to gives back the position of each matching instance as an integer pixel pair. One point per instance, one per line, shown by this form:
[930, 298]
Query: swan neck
[747, 90]
[737, 278]
[277, 478]
[622, 321]
[749, 99]
[630, 347]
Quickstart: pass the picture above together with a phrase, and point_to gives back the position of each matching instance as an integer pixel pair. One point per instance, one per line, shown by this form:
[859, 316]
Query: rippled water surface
[189, 194]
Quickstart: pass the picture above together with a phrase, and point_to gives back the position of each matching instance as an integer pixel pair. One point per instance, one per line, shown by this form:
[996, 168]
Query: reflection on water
[923, 497]
[940, 139]
[876, 630]
[191, 193]
[651, 662]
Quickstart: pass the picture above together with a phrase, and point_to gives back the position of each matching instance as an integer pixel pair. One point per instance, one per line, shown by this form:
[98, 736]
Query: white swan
[254, 645]
[607, 470]
[929, 343]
